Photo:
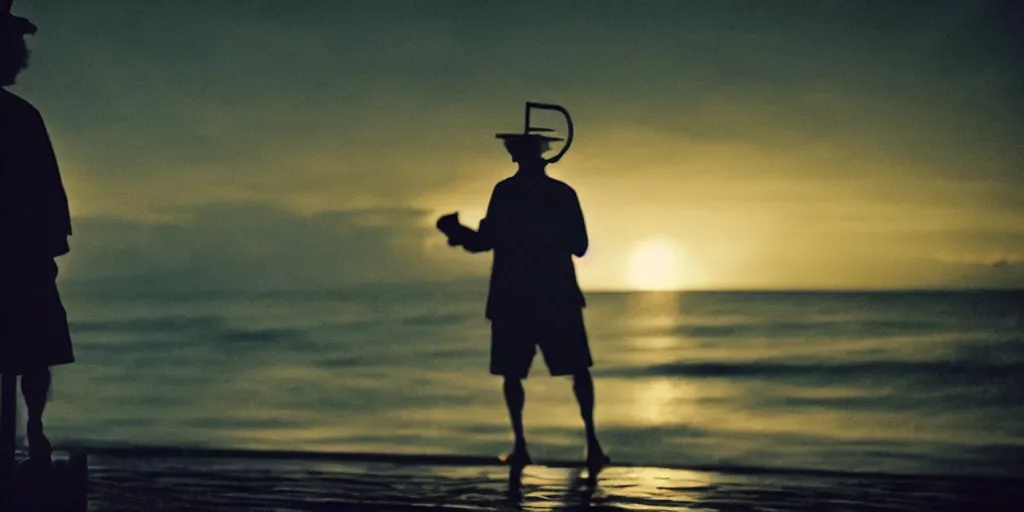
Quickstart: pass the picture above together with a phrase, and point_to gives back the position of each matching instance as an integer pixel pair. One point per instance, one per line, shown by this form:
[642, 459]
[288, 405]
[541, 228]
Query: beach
[141, 479]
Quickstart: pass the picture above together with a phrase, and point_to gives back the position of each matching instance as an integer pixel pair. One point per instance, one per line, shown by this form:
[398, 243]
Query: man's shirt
[34, 217]
[534, 225]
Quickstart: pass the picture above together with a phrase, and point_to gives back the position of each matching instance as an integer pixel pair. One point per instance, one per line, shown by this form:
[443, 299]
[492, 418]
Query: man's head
[526, 149]
[13, 50]
[13, 57]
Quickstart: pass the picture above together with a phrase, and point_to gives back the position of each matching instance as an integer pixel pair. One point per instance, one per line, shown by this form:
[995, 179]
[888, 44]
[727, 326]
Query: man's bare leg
[583, 387]
[515, 398]
[35, 387]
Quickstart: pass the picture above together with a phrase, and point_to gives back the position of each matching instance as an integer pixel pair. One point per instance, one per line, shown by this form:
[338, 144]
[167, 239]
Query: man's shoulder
[517, 184]
[16, 105]
[561, 186]
[505, 185]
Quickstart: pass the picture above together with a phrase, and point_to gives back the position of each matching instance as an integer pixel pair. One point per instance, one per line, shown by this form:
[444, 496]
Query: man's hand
[450, 225]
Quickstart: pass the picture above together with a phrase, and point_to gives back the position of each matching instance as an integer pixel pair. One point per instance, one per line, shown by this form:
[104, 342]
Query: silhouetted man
[535, 225]
[34, 226]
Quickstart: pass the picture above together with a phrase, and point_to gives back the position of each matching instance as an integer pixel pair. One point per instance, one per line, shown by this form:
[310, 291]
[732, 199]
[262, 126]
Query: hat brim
[522, 136]
[17, 25]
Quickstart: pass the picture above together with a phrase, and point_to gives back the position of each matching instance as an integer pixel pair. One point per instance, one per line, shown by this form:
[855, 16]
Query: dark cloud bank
[254, 247]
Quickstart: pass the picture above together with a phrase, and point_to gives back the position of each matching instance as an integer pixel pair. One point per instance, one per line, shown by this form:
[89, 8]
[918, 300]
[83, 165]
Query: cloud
[1004, 263]
[261, 102]
[254, 247]
[991, 260]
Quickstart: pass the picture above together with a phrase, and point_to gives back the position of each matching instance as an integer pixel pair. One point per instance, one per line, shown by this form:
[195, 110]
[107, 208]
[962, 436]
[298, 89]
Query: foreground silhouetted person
[534, 225]
[34, 226]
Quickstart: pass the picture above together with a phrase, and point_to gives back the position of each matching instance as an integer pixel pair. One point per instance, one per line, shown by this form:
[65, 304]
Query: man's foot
[596, 460]
[518, 458]
[39, 447]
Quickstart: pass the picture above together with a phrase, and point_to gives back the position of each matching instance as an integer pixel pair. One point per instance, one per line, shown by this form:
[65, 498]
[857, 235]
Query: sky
[719, 144]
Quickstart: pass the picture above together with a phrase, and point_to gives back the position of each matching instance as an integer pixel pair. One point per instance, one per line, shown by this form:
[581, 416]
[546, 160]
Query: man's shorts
[34, 330]
[561, 336]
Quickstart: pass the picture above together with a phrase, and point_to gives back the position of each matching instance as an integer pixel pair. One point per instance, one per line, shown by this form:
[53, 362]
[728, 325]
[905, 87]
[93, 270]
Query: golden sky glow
[654, 265]
[773, 146]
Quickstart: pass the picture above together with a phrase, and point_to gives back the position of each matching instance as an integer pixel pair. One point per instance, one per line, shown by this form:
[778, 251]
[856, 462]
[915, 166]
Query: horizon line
[177, 290]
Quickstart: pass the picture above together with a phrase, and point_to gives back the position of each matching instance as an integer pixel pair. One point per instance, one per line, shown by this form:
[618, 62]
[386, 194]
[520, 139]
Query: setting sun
[654, 266]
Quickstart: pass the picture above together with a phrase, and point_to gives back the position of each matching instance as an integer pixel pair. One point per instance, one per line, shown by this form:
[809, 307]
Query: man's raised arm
[480, 240]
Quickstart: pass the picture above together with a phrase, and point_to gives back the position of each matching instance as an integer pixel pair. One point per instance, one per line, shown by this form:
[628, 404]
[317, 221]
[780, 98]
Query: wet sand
[169, 479]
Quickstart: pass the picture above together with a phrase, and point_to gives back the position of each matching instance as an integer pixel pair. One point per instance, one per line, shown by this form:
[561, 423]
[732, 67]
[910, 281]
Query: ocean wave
[260, 335]
[161, 324]
[771, 329]
[859, 370]
[434, 320]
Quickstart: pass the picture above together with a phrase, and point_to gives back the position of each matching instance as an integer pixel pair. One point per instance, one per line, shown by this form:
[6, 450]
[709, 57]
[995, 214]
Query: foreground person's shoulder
[13, 104]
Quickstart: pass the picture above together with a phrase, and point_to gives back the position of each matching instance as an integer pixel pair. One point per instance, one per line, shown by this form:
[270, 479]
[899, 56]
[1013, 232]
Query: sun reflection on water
[619, 488]
[653, 483]
[657, 401]
[660, 402]
[657, 310]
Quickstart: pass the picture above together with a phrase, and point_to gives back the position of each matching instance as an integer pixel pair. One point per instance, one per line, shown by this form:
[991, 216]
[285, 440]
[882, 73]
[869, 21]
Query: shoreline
[442, 460]
[128, 479]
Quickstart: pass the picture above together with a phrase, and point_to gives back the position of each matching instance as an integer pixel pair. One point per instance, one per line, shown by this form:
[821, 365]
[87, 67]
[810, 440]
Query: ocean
[893, 382]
